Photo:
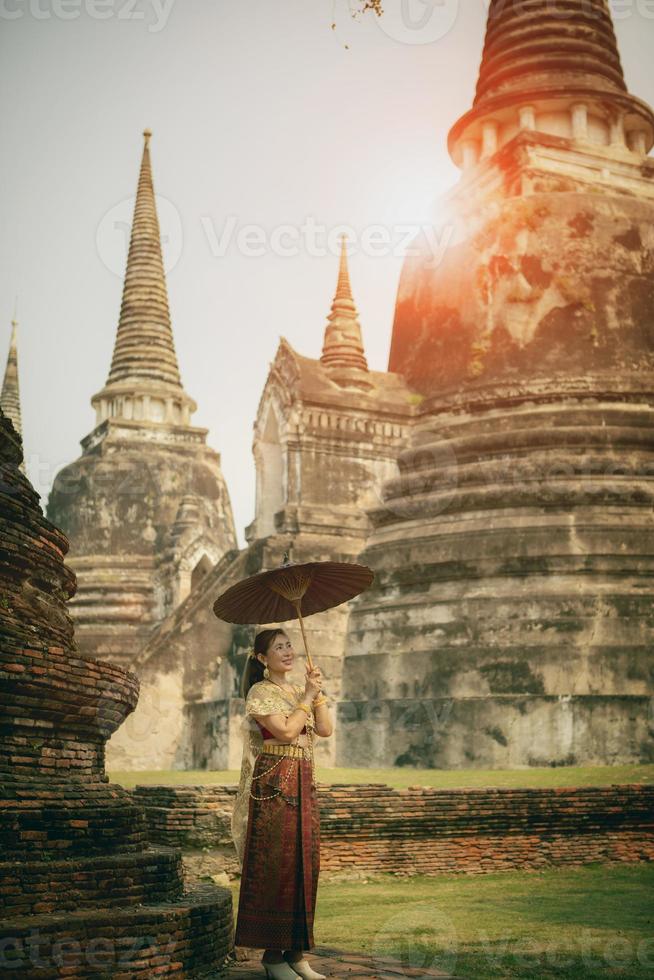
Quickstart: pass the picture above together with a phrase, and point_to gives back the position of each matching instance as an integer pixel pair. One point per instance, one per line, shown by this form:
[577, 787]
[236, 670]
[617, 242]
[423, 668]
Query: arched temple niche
[193, 564]
[271, 477]
[187, 561]
[202, 569]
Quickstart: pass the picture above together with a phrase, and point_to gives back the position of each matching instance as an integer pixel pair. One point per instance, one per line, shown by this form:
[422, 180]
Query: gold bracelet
[323, 700]
[305, 707]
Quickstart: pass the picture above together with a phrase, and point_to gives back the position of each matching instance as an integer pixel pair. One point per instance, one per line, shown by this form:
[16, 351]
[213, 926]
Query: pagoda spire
[144, 343]
[553, 71]
[10, 396]
[342, 352]
[144, 368]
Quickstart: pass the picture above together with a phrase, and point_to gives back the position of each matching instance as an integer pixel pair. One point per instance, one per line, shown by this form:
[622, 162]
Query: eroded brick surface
[81, 889]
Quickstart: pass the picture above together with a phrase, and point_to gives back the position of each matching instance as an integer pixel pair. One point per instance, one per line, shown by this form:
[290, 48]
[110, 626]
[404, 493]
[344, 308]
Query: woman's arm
[324, 726]
[323, 722]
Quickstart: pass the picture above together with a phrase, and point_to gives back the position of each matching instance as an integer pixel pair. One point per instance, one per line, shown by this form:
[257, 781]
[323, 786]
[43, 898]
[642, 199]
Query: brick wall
[181, 941]
[377, 828]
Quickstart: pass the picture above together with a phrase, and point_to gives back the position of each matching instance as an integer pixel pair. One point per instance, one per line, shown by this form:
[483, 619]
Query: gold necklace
[290, 694]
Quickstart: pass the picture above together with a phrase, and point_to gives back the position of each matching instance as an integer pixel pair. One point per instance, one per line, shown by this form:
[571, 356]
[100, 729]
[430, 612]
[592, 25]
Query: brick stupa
[82, 894]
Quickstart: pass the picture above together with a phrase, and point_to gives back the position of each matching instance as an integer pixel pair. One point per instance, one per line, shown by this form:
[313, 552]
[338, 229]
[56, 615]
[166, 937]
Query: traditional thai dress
[276, 835]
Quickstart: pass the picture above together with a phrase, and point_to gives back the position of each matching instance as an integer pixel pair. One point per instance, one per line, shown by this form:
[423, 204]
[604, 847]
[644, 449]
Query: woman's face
[280, 655]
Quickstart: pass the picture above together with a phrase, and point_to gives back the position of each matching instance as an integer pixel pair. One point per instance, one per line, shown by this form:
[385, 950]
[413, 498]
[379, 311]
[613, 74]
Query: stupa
[82, 893]
[510, 623]
[146, 473]
[10, 393]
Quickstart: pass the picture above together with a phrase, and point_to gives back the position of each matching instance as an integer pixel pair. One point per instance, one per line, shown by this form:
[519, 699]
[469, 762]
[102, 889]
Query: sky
[277, 124]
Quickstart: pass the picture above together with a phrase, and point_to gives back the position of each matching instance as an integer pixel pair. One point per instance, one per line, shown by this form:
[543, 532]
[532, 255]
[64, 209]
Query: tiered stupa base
[510, 622]
[83, 894]
[186, 938]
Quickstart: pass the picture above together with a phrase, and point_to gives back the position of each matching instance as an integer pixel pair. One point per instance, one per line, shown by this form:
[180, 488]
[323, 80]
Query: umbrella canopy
[292, 591]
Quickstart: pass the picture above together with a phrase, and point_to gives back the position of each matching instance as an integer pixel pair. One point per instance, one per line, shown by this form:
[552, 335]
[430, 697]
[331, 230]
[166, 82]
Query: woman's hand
[313, 684]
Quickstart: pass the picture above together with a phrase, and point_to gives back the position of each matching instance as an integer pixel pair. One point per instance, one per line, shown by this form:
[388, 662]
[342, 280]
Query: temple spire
[10, 397]
[561, 74]
[144, 381]
[342, 352]
[144, 342]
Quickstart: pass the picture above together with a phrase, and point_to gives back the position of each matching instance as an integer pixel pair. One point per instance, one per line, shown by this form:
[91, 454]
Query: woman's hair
[253, 667]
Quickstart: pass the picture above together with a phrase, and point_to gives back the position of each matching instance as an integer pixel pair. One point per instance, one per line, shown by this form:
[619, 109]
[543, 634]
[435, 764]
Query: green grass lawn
[401, 778]
[592, 921]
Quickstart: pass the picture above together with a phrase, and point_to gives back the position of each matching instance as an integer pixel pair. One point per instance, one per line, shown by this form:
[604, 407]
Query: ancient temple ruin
[511, 620]
[82, 893]
[326, 436]
[145, 506]
[497, 478]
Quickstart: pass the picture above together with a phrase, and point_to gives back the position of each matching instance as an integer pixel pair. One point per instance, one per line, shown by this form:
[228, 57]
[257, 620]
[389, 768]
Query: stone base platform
[180, 939]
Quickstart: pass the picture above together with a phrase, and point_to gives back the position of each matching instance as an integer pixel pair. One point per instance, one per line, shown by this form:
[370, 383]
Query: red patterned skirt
[281, 860]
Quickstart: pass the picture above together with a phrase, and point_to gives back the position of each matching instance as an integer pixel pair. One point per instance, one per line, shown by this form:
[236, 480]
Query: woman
[275, 822]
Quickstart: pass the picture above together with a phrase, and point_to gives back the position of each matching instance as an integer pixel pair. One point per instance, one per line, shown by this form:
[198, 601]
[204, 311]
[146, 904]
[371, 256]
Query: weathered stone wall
[431, 831]
[513, 562]
[187, 661]
[188, 816]
[496, 731]
[474, 831]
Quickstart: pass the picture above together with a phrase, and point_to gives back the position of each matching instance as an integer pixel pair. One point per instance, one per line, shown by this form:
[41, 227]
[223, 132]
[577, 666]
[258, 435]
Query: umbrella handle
[296, 603]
